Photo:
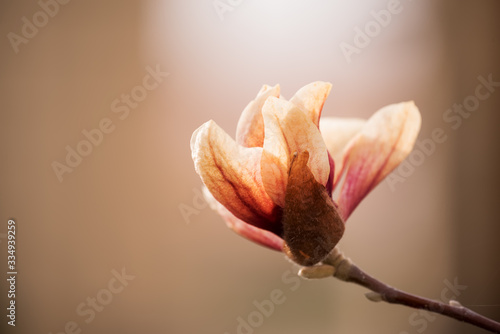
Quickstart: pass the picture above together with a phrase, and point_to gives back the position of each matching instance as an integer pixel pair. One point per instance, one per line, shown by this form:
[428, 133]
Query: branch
[347, 271]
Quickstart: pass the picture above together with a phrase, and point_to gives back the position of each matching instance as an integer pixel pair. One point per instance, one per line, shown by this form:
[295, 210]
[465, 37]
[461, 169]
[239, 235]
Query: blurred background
[118, 241]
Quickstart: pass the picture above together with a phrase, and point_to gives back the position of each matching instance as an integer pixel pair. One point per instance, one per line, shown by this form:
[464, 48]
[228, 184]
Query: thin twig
[349, 272]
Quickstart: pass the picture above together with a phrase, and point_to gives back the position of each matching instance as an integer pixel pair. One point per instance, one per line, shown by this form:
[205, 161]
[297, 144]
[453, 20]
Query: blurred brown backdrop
[120, 206]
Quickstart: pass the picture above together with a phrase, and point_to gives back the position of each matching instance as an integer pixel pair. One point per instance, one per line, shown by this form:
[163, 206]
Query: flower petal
[250, 128]
[311, 98]
[253, 233]
[384, 142]
[250, 232]
[337, 132]
[232, 174]
[289, 130]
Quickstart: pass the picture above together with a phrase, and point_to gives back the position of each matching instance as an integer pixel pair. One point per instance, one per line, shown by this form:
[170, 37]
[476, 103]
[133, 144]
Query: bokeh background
[121, 207]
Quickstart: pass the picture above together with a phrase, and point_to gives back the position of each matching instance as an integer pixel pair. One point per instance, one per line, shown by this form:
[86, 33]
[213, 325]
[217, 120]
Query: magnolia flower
[273, 184]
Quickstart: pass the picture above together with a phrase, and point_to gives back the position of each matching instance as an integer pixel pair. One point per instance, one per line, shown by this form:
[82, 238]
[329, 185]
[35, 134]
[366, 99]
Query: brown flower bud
[312, 225]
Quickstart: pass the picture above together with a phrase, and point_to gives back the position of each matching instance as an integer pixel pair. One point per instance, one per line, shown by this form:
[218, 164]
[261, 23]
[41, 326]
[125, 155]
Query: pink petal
[311, 98]
[289, 130]
[384, 142]
[253, 233]
[250, 232]
[250, 128]
[232, 174]
[337, 133]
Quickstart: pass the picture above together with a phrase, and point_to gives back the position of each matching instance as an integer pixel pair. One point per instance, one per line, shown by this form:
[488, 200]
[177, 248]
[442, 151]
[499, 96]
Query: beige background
[120, 207]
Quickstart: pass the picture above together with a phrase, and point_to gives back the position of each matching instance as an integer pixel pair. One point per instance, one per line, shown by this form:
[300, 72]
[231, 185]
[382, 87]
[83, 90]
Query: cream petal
[311, 98]
[250, 128]
[232, 174]
[384, 142]
[337, 132]
[289, 130]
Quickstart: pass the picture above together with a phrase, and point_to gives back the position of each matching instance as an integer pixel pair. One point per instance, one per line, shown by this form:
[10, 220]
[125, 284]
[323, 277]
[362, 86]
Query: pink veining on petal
[337, 134]
[232, 174]
[255, 234]
[384, 142]
[250, 232]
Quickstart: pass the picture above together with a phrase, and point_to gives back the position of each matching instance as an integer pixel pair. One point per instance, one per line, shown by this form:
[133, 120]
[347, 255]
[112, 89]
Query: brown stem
[349, 272]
